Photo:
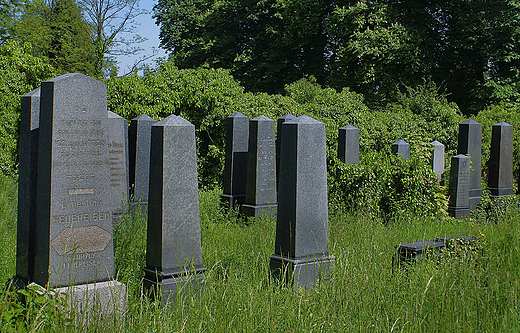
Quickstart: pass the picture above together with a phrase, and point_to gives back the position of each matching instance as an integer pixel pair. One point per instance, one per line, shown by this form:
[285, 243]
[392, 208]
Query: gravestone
[261, 174]
[458, 205]
[279, 123]
[118, 161]
[348, 144]
[301, 252]
[27, 178]
[139, 134]
[73, 238]
[438, 159]
[402, 148]
[469, 143]
[500, 165]
[173, 255]
[235, 168]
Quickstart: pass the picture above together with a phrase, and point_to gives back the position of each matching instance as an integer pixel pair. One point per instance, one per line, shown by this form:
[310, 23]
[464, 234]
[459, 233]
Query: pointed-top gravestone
[402, 148]
[173, 255]
[279, 135]
[438, 159]
[458, 205]
[139, 134]
[261, 164]
[500, 164]
[118, 161]
[469, 143]
[235, 169]
[348, 144]
[301, 250]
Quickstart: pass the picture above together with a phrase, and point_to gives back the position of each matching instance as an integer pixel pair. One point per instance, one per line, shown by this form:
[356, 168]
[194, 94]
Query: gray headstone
[279, 134]
[173, 255]
[139, 134]
[348, 144]
[27, 179]
[74, 222]
[302, 230]
[261, 164]
[458, 205]
[438, 159]
[118, 161]
[470, 143]
[235, 169]
[500, 165]
[402, 148]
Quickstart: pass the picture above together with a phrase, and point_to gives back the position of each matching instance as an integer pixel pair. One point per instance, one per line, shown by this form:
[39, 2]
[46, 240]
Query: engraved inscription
[65, 204]
[86, 259]
[77, 240]
[81, 177]
[79, 191]
[81, 218]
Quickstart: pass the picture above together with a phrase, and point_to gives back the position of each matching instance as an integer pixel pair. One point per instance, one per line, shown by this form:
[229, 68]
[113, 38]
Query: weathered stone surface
[402, 148]
[458, 205]
[470, 143]
[438, 159]
[118, 161]
[500, 164]
[139, 134]
[261, 164]
[279, 136]
[235, 169]
[302, 230]
[348, 144]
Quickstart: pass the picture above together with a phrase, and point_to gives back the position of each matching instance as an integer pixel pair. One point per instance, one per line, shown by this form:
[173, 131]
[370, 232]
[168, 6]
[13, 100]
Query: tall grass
[466, 291]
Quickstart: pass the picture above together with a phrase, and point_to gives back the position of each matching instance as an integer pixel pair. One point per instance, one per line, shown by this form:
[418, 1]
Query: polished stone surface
[139, 134]
[348, 144]
[470, 144]
[118, 162]
[458, 204]
[402, 148]
[438, 159]
[500, 164]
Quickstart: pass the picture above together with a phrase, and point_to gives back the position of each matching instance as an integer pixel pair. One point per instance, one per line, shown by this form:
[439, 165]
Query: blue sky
[148, 29]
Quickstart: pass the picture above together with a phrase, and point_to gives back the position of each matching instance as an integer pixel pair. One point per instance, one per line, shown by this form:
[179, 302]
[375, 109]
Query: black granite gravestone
[279, 134]
[469, 143]
[139, 134]
[261, 164]
[348, 144]
[438, 159]
[402, 148]
[500, 164]
[118, 161]
[458, 205]
[301, 251]
[173, 255]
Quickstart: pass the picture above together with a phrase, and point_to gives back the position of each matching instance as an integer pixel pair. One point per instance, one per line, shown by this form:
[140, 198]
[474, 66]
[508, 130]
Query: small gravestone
[235, 169]
[118, 162]
[458, 205]
[402, 148]
[261, 164]
[139, 133]
[173, 255]
[500, 165]
[438, 159]
[469, 143]
[73, 238]
[301, 252]
[348, 144]
[27, 179]
[279, 123]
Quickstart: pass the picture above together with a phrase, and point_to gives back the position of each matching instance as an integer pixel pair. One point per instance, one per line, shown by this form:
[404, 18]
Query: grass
[465, 291]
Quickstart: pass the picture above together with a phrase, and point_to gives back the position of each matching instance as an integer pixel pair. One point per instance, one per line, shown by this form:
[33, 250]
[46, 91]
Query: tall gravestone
[500, 165]
[261, 164]
[279, 138]
[469, 143]
[402, 148]
[438, 159]
[458, 205]
[139, 134]
[118, 161]
[301, 250]
[235, 169]
[348, 144]
[27, 178]
[173, 256]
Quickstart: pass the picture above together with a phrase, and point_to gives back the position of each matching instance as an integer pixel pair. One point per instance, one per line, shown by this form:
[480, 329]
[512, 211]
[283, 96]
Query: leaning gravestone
[235, 168]
[469, 143]
[500, 165]
[348, 144]
[458, 205]
[279, 123]
[261, 164]
[402, 148]
[73, 243]
[438, 159]
[118, 162]
[301, 252]
[139, 134]
[27, 178]
[173, 255]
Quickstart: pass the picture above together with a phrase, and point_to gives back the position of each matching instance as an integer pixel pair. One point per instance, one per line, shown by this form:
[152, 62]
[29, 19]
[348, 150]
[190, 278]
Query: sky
[146, 28]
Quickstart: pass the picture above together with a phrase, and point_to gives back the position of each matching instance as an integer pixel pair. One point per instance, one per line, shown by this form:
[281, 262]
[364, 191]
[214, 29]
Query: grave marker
[469, 143]
[118, 162]
[139, 134]
[402, 148]
[458, 205]
[438, 159]
[279, 134]
[348, 144]
[500, 165]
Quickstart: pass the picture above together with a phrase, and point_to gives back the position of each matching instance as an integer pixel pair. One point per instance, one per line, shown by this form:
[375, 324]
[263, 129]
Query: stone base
[497, 192]
[458, 212]
[174, 285]
[230, 200]
[252, 210]
[302, 272]
[475, 195]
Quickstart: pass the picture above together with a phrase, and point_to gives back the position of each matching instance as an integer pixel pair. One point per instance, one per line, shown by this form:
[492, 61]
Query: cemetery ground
[470, 288]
